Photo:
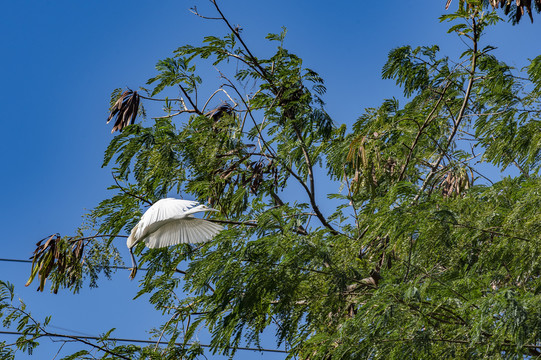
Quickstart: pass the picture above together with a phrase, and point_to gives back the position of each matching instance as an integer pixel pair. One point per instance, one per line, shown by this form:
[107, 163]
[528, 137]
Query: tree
[515, 9]
[416, 254]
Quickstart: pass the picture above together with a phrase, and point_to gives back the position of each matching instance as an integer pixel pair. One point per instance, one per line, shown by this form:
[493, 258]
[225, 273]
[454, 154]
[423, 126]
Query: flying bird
[171, 222]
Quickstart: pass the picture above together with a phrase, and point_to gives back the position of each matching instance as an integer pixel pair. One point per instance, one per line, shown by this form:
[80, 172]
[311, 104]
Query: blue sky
[61, 60]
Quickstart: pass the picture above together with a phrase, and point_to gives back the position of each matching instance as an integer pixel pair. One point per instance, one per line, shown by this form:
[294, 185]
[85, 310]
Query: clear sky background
[61, 60]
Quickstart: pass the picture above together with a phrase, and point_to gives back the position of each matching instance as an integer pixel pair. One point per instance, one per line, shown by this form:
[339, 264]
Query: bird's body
[171, 222]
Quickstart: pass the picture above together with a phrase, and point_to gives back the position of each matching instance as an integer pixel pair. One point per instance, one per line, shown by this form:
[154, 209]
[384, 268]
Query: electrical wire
[138, 341]
[30, 261]
[86, 337]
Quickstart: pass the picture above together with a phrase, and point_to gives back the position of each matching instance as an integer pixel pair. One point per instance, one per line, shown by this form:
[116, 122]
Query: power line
[30, 261]
[136, 341]
[16, 260]
[87, 337]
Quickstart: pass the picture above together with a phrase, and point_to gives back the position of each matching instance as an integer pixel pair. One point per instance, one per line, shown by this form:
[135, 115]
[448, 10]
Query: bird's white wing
[160, 211]
[181, 231]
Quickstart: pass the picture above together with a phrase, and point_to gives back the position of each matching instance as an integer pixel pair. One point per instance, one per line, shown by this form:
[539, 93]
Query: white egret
[171, 222]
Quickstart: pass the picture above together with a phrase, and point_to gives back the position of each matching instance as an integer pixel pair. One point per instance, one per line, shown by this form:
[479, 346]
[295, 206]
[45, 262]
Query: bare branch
[175, 114]
[214, 93]
[194, 11]
[256, 65]
[195, 109]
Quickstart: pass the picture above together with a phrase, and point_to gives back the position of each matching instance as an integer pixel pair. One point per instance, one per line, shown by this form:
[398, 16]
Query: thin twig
[175, 114]
[154, 99]
[427, 121]
[311, 192]
[194, 11]
[256, 65]
[213, 94]
[352, 201]
[129, 193]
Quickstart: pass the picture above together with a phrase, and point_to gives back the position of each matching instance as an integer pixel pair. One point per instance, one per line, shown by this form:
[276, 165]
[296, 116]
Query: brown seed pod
[125, 110]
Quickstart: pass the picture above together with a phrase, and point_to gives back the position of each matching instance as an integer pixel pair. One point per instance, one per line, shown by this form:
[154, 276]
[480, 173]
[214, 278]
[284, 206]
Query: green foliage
[408, 251]
[174, 72]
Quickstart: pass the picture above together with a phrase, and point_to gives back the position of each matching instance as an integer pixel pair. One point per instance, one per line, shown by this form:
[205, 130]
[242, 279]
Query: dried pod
[125, 110]
[455, 182]
[506, 6]
[64, 256]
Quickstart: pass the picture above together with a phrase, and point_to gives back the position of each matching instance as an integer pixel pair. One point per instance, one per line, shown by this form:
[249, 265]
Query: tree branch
[195, 109]
[460, 116]
[311, 191]
[129, 193]
[421, 129]
[256, 65]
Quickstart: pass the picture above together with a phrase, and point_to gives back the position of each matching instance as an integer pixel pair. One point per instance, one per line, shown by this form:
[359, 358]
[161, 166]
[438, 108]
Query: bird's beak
[134, 265]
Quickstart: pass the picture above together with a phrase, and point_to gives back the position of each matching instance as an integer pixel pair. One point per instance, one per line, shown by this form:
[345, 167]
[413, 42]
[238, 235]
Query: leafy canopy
[412, 252]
